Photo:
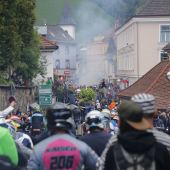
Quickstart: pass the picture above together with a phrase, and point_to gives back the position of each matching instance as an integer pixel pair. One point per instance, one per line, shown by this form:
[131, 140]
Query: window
[57, 64]
[164, 56]
[67, 64]
[165, 33]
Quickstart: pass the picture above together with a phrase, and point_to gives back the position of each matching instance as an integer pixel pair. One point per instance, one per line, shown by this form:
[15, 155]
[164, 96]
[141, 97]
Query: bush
[87, 95]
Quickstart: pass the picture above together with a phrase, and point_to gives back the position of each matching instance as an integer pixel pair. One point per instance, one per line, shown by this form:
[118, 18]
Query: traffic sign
[45, 99]
[67, 72]
[45, 95]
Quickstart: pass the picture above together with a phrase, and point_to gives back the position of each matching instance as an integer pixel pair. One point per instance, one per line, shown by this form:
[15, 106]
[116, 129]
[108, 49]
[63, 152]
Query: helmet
[94, 119]
[106, 111]
[35, 107]
[11, 129]
[24, 140]
[146, 102]
[59, 118]
[15, 121]
[107, 118]
[116, 117]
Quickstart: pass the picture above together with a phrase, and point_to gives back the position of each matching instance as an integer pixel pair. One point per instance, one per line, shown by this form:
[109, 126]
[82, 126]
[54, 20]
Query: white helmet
[106, 111]
[94, 119]
[107, 118]
[146, 101]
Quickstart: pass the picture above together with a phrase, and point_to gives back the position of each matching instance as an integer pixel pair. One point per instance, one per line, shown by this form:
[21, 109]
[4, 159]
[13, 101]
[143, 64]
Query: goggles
[95, 120]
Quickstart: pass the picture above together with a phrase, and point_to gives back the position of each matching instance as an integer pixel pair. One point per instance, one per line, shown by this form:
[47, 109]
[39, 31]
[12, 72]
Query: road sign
[67, 72]
[45, 95]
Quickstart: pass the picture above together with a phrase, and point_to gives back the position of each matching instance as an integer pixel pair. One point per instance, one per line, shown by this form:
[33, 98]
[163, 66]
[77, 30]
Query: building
[92, 60]
[62, 33]
[96, 60]
[166, 52]
[64, 61]
[110, 61]
[47, 49]
[141, 39]
[156, 82]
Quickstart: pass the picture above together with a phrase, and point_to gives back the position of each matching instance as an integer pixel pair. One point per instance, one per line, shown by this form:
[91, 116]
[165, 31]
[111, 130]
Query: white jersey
[4, 113]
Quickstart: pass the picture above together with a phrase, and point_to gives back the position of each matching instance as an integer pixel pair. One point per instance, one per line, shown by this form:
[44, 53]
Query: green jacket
[7, 145]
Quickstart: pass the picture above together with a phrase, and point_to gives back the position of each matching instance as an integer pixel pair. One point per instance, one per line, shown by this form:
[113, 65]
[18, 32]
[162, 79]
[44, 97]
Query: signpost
[67, 72]
[45, 95]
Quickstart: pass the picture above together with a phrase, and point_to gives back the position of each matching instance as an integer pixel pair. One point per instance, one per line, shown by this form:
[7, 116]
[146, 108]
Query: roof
[47, 44]
[66, 18]
[151, 8]
[155, 8]
[167, 47]
[154, 82]
[56, 33]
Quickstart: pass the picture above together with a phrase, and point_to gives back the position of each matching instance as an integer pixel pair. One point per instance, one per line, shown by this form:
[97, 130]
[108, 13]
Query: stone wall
[24, 96]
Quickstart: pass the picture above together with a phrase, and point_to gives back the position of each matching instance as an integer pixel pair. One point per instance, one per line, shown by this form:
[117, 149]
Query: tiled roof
[167, 47]
[155, 8]
[47, 44]
[154, 82]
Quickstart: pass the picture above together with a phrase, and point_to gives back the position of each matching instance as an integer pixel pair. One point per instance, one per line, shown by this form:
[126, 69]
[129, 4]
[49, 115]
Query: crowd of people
[124, 136]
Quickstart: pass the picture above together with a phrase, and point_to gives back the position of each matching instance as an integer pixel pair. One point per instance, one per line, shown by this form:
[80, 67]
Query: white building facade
[139, 45]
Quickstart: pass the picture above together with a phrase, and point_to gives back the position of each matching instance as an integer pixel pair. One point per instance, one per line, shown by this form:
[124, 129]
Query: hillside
[51, 10]
[89, 17]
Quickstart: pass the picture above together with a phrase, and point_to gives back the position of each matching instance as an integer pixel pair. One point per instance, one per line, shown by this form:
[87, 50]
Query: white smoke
[93, 21]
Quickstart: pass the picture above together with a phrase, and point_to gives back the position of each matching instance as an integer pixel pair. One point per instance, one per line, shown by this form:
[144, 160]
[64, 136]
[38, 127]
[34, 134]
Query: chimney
[42, 29]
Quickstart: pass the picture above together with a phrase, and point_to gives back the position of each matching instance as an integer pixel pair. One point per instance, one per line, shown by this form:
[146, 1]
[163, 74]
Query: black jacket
[96, 140]
[138, 143]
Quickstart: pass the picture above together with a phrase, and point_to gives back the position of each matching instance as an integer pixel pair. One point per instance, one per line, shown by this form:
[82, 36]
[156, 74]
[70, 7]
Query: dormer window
[165, 33]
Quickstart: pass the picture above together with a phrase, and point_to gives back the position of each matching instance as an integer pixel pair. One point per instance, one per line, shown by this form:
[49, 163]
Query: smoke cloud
[93, 21]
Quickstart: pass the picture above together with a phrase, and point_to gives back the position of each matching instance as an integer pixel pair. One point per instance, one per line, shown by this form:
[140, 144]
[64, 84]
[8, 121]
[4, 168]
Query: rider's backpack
[37, 121]
[127, 161]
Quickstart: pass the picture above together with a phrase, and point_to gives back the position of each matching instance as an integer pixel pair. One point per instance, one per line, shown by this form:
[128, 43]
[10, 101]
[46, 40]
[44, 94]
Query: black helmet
[59, 118]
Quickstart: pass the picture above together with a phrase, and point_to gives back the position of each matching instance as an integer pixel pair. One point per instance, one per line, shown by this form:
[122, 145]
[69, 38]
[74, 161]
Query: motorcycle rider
[61, 150]
[97, 137]
[137, 146]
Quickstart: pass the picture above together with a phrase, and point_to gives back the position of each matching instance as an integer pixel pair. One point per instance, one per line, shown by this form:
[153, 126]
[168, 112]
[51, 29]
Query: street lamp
[168, 75]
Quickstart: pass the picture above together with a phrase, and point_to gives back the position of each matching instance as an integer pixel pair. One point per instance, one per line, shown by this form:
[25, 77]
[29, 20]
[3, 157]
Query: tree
[9, 38]
[19, 44]
[87, 95]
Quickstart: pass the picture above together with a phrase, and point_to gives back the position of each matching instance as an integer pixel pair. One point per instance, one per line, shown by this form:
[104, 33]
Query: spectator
[97, 138]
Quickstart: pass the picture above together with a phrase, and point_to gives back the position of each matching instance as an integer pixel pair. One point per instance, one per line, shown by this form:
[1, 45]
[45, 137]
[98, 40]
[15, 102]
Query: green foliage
[29, 66]
[9, 39]
[19, 44]
[87, 95]
[59, 93]
[50, 11]
[84, 13]
[3, 78]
